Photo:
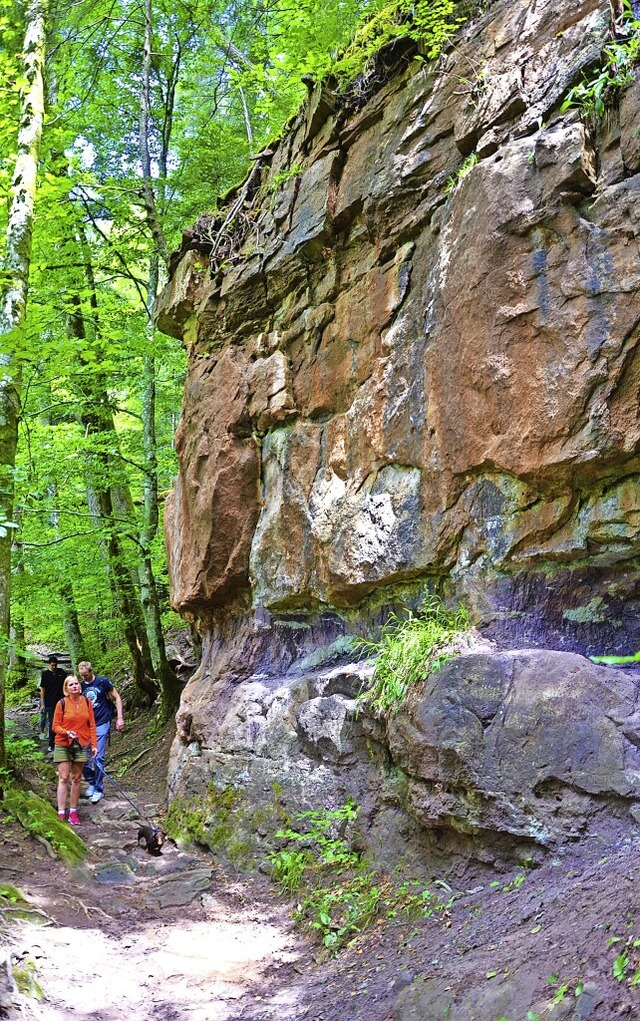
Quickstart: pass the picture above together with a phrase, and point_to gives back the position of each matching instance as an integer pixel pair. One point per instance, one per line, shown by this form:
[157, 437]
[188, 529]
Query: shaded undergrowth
[338, 892]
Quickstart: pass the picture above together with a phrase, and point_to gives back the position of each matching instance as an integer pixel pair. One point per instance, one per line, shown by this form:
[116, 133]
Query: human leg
[63, 785]
[99, 758]
[76, 776]
[49, 711]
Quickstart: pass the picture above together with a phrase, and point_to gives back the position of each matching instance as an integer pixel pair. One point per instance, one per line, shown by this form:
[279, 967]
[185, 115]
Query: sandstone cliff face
[411, 375]
[402, 379]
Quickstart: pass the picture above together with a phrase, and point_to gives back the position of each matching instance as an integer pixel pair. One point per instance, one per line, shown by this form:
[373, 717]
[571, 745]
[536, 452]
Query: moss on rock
[41, 820]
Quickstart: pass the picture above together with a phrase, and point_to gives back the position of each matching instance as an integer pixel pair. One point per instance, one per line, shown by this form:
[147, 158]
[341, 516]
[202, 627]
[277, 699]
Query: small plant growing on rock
[410, 648]
[281, 178]
[465, 168]
[619, 60]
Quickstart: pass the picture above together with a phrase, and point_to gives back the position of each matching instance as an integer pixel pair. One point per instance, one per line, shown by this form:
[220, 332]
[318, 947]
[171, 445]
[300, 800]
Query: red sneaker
[73, 819]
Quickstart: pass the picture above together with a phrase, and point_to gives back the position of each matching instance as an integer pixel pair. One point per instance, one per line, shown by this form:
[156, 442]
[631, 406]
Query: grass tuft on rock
[409, 649]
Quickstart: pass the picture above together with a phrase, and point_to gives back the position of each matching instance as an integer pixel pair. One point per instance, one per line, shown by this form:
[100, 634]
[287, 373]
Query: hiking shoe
[96, 797]
[73, 819]
[90, 791]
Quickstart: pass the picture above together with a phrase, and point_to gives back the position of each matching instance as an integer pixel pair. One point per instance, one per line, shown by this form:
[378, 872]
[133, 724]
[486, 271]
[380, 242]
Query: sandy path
[141, 938]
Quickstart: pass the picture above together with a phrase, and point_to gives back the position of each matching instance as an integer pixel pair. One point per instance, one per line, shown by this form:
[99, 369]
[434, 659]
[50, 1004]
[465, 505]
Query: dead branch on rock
[86, 908]
[221, 239]
[145, 751]
[246, 194]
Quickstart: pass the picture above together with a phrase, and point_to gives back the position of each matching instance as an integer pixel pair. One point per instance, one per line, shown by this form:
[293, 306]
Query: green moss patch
[41, 820]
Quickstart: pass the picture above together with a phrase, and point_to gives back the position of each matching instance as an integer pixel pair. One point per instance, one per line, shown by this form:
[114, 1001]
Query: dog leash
[91, 762]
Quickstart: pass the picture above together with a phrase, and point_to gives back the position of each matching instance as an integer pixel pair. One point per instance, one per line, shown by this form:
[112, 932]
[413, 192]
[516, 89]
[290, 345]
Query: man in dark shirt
[51, 693]
[105, 700]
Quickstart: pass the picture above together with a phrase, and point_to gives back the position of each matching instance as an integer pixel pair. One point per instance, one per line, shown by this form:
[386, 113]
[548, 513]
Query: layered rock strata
[413, 375]
[420, 365]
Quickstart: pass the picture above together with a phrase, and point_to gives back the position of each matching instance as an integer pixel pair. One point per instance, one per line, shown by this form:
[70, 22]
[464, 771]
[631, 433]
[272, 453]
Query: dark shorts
[62, 753]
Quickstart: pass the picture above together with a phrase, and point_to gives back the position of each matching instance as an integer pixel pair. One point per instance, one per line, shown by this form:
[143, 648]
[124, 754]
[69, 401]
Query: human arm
[119, 713]
[92, 728]
[58, 725]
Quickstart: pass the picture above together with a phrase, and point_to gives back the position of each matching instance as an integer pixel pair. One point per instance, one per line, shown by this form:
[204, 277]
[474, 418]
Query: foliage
[338, 893]
[619, 61]
[19, 752]
[338, 39]
[409, 648]
[340, 896]
[430, 22]
[626, 957]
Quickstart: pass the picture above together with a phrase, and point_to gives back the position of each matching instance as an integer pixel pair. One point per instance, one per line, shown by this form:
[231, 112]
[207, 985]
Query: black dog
[151, 838]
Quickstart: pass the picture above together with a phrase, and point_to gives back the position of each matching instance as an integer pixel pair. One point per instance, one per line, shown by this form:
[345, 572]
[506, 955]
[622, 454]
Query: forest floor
[180, 938]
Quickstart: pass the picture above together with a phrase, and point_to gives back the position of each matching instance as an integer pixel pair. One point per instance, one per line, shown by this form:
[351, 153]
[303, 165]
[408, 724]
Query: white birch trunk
[13, 299]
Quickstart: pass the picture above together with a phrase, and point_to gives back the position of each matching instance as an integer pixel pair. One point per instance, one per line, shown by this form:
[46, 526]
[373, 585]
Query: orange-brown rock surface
[410, 374]
[421, 366]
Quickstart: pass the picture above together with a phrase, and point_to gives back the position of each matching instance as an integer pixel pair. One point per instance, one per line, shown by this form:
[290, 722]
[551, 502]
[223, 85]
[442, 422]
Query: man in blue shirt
[102, 695]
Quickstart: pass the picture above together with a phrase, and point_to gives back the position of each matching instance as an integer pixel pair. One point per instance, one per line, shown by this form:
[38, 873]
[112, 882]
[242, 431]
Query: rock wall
[413, 369]
[403, 377]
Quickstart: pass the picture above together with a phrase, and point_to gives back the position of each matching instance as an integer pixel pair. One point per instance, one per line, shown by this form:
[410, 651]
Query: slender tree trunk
[159, 240]
[19, 668]
[70, 622]
[13, 302]
[96, 416]
[169, 684]
[71, 625]
[135, 636]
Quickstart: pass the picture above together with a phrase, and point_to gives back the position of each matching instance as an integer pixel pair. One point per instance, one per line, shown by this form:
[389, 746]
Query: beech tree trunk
[97, 418]
[13, 301]
[169, 684]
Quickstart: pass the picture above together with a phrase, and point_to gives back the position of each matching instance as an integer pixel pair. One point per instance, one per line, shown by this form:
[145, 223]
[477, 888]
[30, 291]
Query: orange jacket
[78, 717]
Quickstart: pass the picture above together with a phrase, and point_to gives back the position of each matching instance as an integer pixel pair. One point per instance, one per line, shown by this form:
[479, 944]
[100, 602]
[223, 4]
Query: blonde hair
[85, 663]
[65, 686]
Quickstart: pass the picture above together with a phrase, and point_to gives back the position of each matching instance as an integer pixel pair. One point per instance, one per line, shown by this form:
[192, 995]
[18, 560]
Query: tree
[13, 303]
[155, 108]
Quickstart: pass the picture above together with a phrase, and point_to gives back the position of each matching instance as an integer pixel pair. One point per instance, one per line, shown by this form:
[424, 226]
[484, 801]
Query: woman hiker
[75, 728]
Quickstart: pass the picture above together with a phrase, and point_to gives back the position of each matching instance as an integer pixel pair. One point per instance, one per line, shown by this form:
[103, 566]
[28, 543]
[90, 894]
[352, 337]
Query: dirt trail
[135, 937]
[139, 937]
